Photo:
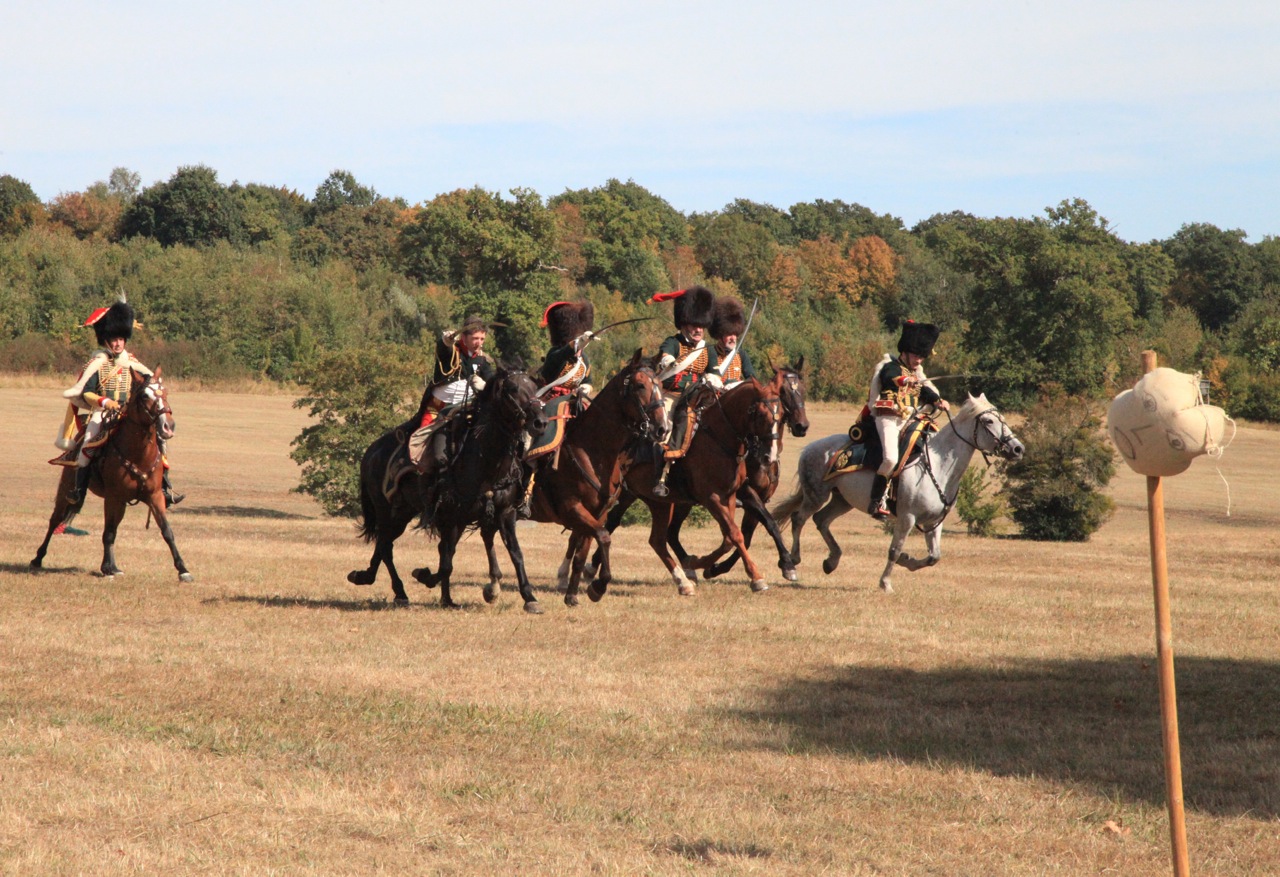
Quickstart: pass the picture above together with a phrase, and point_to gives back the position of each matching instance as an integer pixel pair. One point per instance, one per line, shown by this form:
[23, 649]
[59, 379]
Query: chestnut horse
[762, 482]
[127, 470]
[733, 425]
[576, 491]
[484, 483]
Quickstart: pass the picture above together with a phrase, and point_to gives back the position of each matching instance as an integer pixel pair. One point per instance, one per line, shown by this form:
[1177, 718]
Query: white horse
[927, 487]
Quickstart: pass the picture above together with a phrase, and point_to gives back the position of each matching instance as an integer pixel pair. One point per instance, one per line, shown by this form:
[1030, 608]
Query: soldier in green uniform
[565, 369]
[462, 369]
[726, 327]
[898, 387]
[686, 361]
[104, 386]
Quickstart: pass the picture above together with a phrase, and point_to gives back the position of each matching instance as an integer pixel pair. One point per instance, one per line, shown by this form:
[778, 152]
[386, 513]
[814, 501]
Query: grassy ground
[997, 715]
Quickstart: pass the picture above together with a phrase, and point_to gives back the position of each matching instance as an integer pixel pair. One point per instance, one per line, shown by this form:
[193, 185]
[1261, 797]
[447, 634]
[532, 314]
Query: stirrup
[660, 489]
[171, 499]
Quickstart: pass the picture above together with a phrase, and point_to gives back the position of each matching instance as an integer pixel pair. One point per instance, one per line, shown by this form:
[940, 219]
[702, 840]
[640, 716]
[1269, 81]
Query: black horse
[484, 485]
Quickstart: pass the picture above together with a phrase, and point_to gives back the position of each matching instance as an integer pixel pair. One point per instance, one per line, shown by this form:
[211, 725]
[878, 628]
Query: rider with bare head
[898, 387]
[462, 369]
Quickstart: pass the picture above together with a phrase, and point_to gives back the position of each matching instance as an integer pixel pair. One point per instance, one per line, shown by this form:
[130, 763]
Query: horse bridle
[1002, 441]
[647, 429]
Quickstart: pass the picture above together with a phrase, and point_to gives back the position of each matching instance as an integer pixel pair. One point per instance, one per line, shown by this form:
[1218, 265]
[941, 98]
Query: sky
[1158, 114]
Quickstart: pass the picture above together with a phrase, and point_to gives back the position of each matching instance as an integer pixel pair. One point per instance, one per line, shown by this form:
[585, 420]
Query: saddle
[110, 424]
[863, 450]
[559, 411]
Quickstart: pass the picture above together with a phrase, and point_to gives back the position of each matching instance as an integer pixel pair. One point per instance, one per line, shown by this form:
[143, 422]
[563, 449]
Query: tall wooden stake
[1164, 658]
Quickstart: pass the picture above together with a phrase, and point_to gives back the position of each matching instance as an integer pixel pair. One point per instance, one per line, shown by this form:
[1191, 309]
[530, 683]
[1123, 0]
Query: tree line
[263, 282]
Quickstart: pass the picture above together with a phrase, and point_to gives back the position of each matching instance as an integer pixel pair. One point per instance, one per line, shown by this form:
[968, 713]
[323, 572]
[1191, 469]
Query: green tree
[341, 189]
[192, 208]
[839, 221]
[734, 248]
[353, 396]
[1056, 489]
[1217, 272]
[16, 199]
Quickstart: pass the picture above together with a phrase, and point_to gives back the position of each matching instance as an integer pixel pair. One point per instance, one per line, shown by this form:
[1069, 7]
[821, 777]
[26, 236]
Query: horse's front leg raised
[508, 530]
[722, 511]
[157, 504]
[898, 557]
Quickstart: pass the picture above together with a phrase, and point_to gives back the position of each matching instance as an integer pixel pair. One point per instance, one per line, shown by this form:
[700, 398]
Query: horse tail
[783, 510]
[368, 526]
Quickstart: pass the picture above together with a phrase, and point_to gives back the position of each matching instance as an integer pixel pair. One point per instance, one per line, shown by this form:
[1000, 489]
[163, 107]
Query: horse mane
[973, 406]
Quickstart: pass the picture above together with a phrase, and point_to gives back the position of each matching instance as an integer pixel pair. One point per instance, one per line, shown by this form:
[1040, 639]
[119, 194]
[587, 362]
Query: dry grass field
[996, 716]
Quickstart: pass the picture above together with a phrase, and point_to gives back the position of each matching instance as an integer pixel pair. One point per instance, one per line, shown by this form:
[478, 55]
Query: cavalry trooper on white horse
[898, 388]
[686, 363]
[727, 327]
[461, 370]
[103, 389]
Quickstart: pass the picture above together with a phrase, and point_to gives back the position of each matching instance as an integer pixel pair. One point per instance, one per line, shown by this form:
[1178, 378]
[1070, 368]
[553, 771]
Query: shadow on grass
[1090, 722]
[28, 569]
[236, 511]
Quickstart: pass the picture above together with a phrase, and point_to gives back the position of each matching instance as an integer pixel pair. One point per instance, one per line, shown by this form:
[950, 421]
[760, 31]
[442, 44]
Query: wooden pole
[1164, 659]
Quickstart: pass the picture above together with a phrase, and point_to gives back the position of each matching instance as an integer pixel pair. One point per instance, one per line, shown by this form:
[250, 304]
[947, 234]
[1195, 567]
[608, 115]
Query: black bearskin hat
[694, 306]
[728, 318]
[565, 321]
[918, 338]
[113, 322]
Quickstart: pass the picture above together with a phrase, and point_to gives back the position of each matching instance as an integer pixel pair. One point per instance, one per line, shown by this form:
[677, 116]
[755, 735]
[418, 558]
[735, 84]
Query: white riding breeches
[888, 428]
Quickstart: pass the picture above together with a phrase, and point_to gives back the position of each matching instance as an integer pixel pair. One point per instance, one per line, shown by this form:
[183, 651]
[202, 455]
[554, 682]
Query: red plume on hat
[694, 306]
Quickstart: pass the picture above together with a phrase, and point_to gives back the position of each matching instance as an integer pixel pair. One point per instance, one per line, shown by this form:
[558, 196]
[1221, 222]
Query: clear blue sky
[1157, 113]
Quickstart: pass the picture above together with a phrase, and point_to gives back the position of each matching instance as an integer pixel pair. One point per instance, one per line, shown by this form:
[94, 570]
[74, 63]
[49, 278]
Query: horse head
[516, 405]
[642, 397]
[979, 424]
[149, 404]
[788, 382]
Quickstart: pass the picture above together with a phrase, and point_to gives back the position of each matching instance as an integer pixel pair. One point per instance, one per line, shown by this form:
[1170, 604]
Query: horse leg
[604, 569]
[661, 515]
[157, 503]
[933, 544]
[754, 514]
[574, 556]
[834, 508]
[494, 588]
[566, 565]
[61, 508]
[612, 523]
[723, 513]
[678, 516]
[508, 531]
[902, 528]
[113, 514]
[448, 544]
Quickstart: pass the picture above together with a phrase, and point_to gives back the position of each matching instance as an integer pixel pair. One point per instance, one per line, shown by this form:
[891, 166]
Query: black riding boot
[81, 489]
[171, 499]
[879, 507]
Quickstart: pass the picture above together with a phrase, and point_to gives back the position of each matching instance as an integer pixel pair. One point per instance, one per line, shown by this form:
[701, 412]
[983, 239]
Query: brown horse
[733, 425]
[127, 470]
[577, 491]
[762, 482]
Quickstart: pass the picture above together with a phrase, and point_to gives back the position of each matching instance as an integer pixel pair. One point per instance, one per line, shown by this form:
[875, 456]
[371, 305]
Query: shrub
[979, 511]
[354, 396]
[1055, 490]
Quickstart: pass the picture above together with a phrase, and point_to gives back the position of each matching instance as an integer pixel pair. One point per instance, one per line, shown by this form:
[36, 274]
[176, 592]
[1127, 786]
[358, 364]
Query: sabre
[596, 335]
[728, 360]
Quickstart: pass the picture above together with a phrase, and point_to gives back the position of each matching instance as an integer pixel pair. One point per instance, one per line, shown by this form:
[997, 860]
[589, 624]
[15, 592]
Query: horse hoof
[687, 590]
[533, 607]
[400, 601]
[491, 595]
[186, 577]
[37, 563]
[791, 575]
[360, 577]
[595, 592]
[423, 576]
[571, 599]
[829, 565]
[759, 586]
[886, 587]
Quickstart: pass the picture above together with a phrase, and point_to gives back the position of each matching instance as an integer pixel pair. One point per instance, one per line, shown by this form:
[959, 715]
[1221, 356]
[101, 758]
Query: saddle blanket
[685, 424]
[863, 451]
[559, 412]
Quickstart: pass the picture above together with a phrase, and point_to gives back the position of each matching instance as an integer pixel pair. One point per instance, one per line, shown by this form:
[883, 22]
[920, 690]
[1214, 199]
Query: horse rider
[686, 360]
[898, 387]
[103, 387]
[726, 327]
[462, 369]
[565, 368]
